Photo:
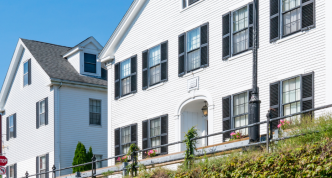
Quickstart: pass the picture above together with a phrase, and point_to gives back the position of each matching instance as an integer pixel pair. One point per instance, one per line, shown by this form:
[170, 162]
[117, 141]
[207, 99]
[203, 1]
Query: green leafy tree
[79, 158]
[89, 156]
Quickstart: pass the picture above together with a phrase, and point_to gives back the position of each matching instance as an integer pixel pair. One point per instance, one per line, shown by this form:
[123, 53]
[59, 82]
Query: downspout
[58, 129]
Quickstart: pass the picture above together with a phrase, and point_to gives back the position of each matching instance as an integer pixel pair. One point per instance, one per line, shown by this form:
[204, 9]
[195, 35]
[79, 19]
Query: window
[100, 163]
[42, 166]
[27, 73]
[292, 17]
[90, 63]
[155, 65]
[125, 77]
[292, 95]
[123, 138]
[11, 171]
[155, 133]
[240, 111]
[186, 3]
[11, 126]
[238, 31]
[95, 112]
[235, 111]
[193, 50]
[42, 112]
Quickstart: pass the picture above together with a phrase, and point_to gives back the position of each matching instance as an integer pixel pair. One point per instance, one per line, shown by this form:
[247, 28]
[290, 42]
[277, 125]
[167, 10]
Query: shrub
[79, 158]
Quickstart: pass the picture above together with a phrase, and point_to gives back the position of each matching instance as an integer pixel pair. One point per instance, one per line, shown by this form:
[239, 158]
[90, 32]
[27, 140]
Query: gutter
[76, 84]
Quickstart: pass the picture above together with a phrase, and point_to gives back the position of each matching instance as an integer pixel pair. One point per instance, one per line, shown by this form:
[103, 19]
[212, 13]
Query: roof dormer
[84, 57]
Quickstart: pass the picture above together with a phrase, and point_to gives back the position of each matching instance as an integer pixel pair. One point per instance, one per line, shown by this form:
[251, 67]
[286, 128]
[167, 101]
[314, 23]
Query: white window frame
[232, 110]
[13, 172]
[41, 113]
[281, 87]
[90, 100]
[281, 14]
[11, 121]
[232, 33]
[154, 66]
[26, 74]
[40, 165]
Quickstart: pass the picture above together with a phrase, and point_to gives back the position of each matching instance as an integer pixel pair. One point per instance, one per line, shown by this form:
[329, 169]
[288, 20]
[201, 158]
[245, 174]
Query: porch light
[205, 110]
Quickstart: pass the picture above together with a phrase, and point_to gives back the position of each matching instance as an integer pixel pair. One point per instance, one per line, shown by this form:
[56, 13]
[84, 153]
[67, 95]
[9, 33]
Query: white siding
[164, 20]
[30, 142]
[74, 124]
[74, 60]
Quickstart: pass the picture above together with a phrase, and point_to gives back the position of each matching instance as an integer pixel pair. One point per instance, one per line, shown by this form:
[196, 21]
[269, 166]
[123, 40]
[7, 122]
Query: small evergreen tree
[79, 158]
[89, 156]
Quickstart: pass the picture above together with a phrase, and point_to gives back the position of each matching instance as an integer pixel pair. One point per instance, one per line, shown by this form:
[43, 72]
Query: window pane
[42, 119]
[26, 79]
[155, 74]
[290, 4]
[125, 86]
[11, 121]
[90, 68]
[242, 121]
[95, 112]
[194, 39]
[240, 19]
[42, 107]
[154, 55]
[194, 60]
[42, 163]
[155, 127]
[155, 142]
[90, 58]
[11, 174]
[292, 96]
[240, 104]
[240, 41]
[291, 21]
[125, 68]
[125, 135]
[298, 83]
[125, 148]
[25, 67]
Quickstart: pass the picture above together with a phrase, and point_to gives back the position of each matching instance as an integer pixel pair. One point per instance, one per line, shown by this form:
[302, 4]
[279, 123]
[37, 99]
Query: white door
[189, 119]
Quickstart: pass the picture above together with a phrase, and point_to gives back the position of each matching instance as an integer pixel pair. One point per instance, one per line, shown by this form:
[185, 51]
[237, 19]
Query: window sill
[240, 55]
[95, 125]
[155, 86]
[193, 72]
[188, 7]
[290, 37]
[125, 97]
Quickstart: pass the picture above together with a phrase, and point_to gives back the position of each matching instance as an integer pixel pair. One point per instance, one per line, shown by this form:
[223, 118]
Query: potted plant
[236, 136]
[151, 153]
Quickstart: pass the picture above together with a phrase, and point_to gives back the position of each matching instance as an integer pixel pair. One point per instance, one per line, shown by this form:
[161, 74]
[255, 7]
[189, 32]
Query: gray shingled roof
[49, 58]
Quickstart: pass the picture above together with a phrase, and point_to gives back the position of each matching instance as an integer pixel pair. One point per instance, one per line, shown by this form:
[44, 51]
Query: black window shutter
[145, 75]
[226, 116]
[15, 170]
[7, 128]
[182, 54]
[205, 45]
[133, 74]
[46, 111]
[134, 133]
[47, 165]
[307, 92]
[226, 36]
[274, 20]
[117, 80]
[37, 115]
[274, 104]
[117, 141]
[164, 133]
[145, 144]
[37, 166]
[15, 125]
[251, 25]
[308, 14]
[164, 61]
[29, 72]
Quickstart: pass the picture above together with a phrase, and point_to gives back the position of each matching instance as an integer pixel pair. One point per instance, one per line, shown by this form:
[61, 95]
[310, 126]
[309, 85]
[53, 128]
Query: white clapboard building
[52, 97]
[167, 59]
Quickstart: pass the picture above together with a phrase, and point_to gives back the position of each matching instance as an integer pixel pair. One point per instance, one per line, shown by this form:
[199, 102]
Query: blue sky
[62, 22]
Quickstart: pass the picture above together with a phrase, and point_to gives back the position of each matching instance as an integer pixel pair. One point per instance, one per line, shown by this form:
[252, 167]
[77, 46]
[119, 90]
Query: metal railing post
[268, 116]
[53, 171]
[93, 167]
[26, 174]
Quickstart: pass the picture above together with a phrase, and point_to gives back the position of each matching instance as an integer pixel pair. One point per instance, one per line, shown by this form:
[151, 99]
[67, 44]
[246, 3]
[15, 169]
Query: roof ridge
[46, 43]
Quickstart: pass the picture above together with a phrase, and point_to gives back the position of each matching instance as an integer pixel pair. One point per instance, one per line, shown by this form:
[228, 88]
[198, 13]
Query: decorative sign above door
[193, 84]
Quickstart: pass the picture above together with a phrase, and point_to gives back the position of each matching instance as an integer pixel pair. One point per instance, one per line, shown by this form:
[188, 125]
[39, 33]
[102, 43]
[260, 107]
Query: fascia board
[121, 29]
[72, 51]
